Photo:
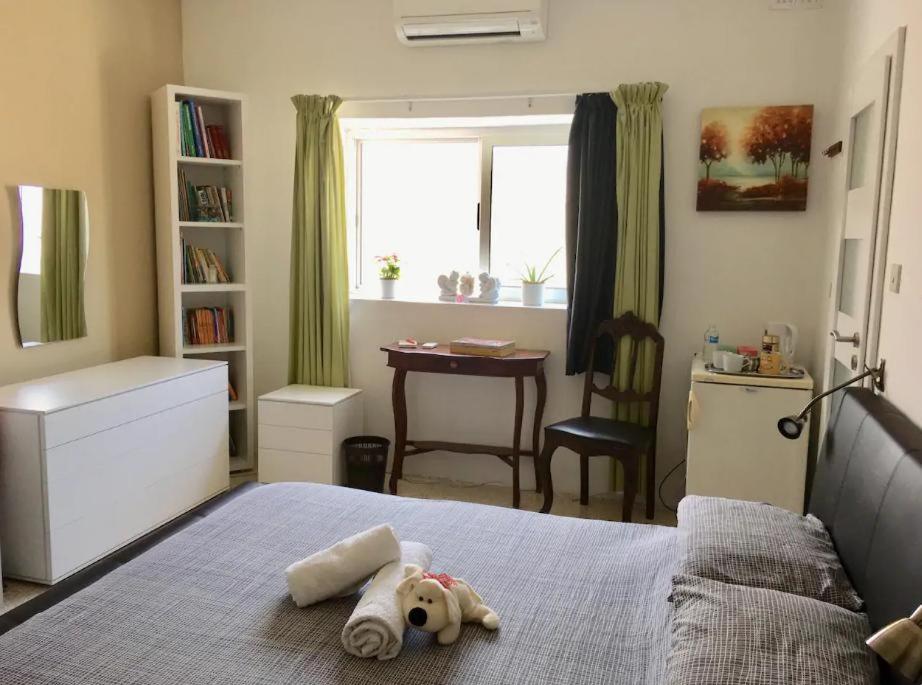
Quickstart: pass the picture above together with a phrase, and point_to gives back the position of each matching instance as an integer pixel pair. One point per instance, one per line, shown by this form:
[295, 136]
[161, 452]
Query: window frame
[488, 137]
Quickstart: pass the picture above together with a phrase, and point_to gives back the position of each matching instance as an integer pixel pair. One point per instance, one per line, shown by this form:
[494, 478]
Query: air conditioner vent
[446, 22]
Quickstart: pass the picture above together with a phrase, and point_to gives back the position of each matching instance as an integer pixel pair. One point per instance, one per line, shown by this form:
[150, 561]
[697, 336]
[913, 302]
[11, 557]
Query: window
[30, 198]
[470, 199]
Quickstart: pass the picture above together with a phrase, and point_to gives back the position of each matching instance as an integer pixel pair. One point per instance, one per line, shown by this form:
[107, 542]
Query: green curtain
[319, 345]
[639, 263]
[63, 265]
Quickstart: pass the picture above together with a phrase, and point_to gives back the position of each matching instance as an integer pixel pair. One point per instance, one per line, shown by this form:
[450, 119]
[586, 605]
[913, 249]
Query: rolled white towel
[332, 571]
[376, 627]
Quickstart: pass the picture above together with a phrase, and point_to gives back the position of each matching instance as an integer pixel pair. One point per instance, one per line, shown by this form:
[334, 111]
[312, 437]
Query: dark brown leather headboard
[868, 492]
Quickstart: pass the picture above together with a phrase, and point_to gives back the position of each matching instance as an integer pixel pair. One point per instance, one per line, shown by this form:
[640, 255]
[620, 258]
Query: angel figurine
[466, 287]
[449, 287]
[489, 289]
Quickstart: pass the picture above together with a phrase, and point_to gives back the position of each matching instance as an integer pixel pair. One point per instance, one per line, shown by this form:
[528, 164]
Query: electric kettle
[787, 337]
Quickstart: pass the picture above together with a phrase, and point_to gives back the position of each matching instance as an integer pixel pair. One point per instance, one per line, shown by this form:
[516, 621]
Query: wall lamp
[792, 426]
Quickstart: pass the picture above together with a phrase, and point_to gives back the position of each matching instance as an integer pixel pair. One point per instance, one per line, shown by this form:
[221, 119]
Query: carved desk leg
[399, 399]
[517, 439]
[541, 386]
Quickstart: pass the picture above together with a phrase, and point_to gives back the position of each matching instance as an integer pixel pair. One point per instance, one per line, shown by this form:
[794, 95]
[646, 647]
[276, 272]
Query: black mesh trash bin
[366, 462]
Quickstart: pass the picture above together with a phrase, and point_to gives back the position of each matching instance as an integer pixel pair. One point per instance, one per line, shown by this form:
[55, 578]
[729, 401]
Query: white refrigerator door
[735, 449]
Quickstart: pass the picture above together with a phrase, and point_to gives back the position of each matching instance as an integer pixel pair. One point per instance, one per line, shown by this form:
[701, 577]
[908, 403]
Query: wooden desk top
[445, 351]
[442, 360]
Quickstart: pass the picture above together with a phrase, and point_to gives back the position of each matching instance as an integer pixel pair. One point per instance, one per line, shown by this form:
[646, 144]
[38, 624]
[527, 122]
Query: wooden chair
[591, 436]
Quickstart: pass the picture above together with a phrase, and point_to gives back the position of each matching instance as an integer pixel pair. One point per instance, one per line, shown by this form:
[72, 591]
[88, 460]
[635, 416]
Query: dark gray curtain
[591, 229]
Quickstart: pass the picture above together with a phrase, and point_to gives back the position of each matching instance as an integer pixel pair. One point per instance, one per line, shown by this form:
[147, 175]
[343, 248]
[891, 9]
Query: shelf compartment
[210, 224]
[193, 350]
[208, 161]
[213, 287]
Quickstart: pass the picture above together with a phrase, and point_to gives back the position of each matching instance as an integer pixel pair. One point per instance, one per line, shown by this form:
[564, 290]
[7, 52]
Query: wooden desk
[441, 360]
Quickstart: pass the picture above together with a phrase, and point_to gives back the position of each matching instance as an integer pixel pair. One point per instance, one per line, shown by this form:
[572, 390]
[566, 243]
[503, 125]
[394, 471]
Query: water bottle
[711, 341]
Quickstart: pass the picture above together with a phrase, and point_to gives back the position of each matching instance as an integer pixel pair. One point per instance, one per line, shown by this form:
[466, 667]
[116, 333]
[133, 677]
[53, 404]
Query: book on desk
[482, 348]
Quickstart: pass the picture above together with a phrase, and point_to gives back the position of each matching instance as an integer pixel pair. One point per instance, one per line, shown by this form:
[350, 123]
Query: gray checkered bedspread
[580, 601]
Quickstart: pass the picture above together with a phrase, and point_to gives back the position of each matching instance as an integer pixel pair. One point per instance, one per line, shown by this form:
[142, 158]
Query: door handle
[855, 339]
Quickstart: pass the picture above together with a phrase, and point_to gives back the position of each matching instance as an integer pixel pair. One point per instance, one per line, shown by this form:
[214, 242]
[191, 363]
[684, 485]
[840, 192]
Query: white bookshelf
[227, 239]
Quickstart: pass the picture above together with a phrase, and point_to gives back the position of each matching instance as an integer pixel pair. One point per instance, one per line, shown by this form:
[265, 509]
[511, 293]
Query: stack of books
[208, 326]
[196, 138]
[204, 203]
[483, 348]
[198, 262]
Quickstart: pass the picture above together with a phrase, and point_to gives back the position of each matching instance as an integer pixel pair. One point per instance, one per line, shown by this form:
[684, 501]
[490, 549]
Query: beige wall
[870, 23]
[74, 85]
[738, 270]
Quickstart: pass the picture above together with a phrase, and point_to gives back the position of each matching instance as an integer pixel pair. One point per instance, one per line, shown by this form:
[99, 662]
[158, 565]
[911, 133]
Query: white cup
[717, 361]
[733, 362]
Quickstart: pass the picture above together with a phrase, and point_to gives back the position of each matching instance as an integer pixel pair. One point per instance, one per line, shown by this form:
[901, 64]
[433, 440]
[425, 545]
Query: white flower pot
[533, 294]
[388, 286]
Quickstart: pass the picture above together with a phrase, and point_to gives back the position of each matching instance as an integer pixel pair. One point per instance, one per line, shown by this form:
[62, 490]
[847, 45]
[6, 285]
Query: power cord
[663, 482]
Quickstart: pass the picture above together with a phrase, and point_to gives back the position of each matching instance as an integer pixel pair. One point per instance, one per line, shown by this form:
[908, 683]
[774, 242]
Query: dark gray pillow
[759, 545]
[725, 634]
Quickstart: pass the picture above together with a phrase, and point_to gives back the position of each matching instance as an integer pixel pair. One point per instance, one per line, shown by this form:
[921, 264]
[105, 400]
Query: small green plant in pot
[389, 272]
[533, 281]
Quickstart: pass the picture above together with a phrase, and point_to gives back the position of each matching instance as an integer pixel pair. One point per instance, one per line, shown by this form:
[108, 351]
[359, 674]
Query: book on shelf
[197, 264]
[231, 393]
[204, 203]
[195, 137]
[208, 326]
[482, 348]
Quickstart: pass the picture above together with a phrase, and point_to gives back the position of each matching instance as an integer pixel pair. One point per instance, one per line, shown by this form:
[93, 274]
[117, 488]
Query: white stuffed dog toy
[438, 603]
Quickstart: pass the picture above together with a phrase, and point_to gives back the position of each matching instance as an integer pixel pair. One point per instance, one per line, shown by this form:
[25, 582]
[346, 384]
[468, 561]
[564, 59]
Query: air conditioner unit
[451, 22]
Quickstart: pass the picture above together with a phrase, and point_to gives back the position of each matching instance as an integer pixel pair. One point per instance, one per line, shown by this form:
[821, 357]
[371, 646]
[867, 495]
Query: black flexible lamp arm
[792, 426]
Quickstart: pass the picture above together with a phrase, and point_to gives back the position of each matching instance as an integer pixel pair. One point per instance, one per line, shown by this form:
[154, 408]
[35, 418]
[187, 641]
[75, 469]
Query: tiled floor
[15, 592]
[606, 507]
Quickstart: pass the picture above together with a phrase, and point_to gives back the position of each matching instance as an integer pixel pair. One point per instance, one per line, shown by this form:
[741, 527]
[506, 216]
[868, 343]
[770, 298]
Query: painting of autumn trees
[754, 158]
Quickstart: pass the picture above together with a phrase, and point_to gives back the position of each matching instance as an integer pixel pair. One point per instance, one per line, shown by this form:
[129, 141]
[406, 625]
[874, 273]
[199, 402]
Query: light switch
[896, 272]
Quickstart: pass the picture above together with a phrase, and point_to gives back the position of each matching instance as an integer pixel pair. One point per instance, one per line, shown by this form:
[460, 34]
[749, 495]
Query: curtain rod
[450, 98]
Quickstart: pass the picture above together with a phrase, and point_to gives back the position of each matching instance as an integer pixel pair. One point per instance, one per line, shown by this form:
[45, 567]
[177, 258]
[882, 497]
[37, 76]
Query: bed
[581, 601]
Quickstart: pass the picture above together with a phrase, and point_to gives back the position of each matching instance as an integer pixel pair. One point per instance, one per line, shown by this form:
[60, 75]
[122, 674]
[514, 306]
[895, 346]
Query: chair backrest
[626, 326]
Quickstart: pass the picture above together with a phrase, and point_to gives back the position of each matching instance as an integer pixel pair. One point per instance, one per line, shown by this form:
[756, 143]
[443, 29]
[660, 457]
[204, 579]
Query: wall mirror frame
[51, 258]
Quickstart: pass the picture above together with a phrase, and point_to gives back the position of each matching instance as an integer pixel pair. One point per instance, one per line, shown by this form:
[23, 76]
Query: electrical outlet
[896, 273]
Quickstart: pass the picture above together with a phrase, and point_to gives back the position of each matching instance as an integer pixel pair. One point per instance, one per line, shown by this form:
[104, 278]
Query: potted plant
[389, 272]
[533, 282]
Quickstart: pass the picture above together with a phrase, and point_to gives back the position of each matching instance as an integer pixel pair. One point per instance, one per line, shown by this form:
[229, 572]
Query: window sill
[502, 304]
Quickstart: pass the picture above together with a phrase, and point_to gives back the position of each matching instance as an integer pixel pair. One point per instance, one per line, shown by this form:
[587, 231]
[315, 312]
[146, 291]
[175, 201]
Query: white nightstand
[301, 430]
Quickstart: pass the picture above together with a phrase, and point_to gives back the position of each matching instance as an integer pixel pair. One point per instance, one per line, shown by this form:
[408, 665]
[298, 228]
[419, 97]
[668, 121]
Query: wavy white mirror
[53, 243]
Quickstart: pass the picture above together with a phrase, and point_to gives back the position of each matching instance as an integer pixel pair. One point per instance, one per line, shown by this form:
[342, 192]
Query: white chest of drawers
[92, 459]
[301, 430]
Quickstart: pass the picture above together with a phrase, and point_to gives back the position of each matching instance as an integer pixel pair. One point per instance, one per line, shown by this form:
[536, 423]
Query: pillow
[750, 636]
[759, 545]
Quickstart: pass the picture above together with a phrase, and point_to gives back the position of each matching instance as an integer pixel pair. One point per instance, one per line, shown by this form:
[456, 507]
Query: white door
[873, 108]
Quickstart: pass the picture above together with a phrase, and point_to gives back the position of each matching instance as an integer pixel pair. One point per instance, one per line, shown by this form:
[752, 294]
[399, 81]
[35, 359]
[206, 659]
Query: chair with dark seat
[594, 436]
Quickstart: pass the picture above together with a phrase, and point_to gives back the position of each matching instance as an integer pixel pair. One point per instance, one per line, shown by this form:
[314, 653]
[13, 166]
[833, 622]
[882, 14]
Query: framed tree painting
[754, 158]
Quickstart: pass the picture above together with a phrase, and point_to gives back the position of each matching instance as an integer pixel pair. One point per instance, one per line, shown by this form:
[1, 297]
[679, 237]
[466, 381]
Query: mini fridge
[734, 447]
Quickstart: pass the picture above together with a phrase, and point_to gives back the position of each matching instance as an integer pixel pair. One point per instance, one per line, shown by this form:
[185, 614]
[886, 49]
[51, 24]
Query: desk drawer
[293, 439]
[464, 366]
[296, 415]
[94, 417]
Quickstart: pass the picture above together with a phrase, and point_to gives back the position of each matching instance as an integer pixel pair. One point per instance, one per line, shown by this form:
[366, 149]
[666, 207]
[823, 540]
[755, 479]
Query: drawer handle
[453, 364]
[747, 388]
